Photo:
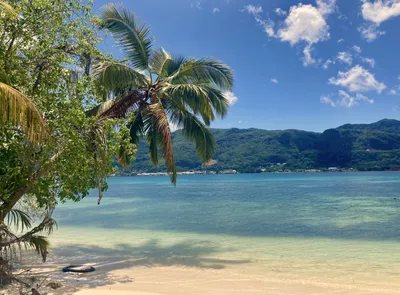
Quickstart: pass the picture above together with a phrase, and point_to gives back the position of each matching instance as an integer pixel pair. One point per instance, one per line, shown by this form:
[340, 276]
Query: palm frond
[136, 128]
[152, 140]
[18, 110]
[195, 96]
[8, 8]
[160, 133]
[159, 61]
[204, 71]
[120, 107]
[19, 218]
[193, 129]
[40, 244]
[132, 36]
[173, 66]
[114, 76]
[201, 98]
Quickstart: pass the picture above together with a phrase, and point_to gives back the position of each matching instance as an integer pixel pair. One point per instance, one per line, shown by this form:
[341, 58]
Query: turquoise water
[336, 227]
[337, 205]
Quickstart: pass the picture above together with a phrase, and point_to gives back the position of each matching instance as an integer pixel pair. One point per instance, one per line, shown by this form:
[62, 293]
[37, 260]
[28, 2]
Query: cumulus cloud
[280, 12]
[369, 61]
[274, 80]
[230, 97]
[215, 10]
[380, 10]
[345, 57]
[358, 79]
[340, 40]
[304, 23]
[343, 99]
[375, 13]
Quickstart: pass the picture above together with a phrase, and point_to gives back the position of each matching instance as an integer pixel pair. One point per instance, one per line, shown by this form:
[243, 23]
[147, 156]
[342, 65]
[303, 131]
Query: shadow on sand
[125, 256]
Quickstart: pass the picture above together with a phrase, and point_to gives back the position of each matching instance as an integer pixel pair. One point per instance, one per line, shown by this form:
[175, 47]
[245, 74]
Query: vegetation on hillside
[363, 147]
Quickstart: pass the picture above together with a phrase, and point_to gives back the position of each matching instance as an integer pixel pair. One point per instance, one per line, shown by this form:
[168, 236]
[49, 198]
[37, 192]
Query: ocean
[325, 228]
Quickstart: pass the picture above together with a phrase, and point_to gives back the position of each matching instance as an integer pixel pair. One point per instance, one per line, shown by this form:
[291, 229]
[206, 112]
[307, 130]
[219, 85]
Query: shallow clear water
[335, 227]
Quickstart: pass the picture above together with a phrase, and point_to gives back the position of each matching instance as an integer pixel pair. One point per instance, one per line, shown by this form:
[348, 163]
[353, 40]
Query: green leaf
[203, 71]
[18, 110]
[132, 36]
[113, 76]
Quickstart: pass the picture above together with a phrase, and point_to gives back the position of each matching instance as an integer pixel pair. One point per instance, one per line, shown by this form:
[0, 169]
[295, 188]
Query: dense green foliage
[364, 147]
[51, 150]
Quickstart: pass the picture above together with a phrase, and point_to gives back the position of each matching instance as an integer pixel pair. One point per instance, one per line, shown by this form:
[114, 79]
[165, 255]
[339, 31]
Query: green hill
[363, 146]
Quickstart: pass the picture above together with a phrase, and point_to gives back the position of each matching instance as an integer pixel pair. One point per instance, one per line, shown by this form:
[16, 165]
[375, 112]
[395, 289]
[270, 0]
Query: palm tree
[7, 8]
[160, 89]
[17, 109]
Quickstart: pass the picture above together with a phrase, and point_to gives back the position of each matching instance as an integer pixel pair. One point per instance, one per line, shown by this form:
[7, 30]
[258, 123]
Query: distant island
[351, 147]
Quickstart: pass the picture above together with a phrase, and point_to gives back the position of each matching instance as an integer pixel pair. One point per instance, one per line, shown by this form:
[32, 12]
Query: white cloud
[196, 4]
[308, 59]
[306, 23]
[343, 99]
[327, 63]
[254, 10]
[369, 61]
[326, 6]
[215, 10]
[327, 100]
[173, 127]
[375, 13]
[380, 10]
[358, 79]
[268, 24]
[340, 40]
[393, 92]
[280, 12]
[357, 48]
[370, 32]
[303, 24]
[348, 101]
[274, 80]
[345, 57]
[230, 97]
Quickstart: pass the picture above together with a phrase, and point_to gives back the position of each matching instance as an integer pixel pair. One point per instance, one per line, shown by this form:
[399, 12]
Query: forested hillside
[364, 147]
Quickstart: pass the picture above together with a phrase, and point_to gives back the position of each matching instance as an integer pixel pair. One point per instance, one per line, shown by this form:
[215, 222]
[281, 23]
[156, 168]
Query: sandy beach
[146, 277]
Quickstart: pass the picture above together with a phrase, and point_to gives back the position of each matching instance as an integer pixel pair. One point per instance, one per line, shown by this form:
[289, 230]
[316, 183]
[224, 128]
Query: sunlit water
[338, 228]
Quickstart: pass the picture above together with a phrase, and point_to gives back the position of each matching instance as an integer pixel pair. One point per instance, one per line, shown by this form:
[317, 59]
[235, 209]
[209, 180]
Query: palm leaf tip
[18, 110]
[132, 36]
[8, 8]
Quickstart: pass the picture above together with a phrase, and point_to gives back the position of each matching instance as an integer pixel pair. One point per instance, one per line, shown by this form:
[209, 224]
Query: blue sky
[308, 65]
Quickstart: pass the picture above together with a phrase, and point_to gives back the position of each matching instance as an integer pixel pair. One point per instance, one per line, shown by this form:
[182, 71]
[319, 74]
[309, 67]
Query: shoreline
[312, 171]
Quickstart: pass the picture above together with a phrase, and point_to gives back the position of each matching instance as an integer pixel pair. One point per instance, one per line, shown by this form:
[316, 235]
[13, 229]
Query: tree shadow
[185, 254]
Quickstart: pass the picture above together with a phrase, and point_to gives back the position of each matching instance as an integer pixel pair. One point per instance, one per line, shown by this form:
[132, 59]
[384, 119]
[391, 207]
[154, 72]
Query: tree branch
[7, 206]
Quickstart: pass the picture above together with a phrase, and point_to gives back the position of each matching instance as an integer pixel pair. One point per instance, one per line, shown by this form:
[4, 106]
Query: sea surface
[326, 228]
